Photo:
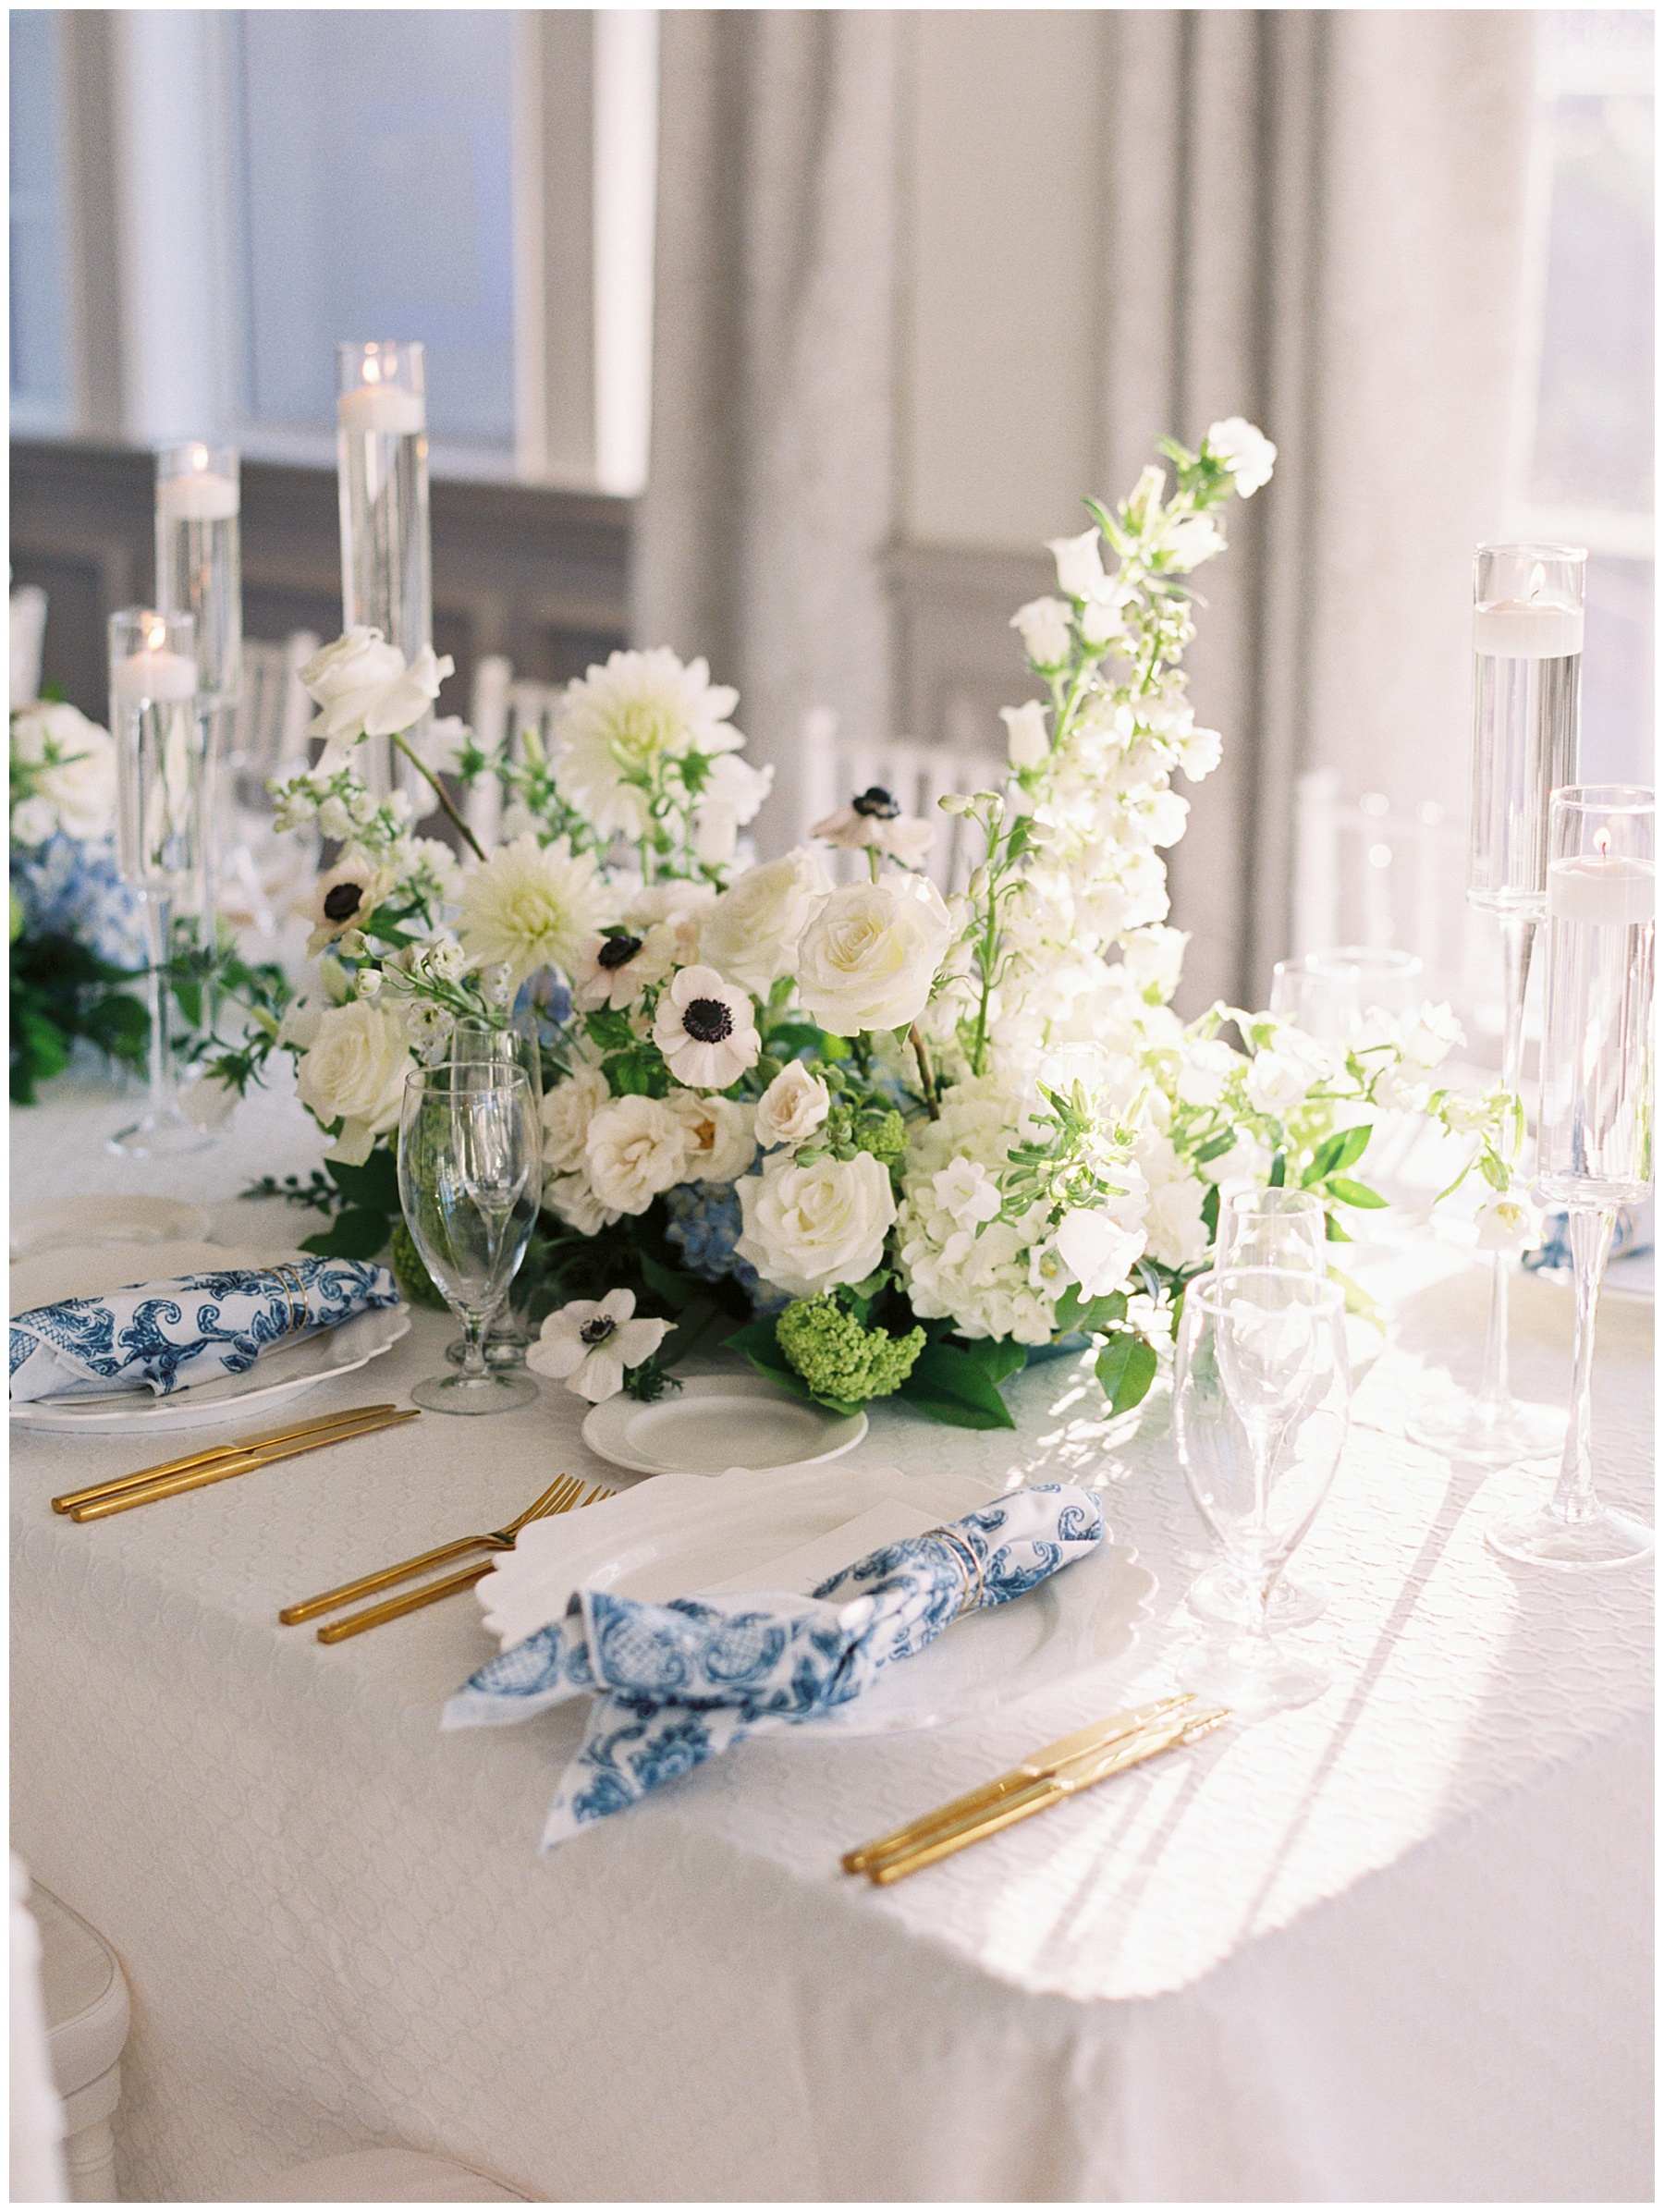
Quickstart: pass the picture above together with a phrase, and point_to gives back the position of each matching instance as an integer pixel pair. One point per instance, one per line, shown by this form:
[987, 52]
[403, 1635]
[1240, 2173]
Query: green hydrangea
[416, 1285]
[838, 1357]
[882, 1134]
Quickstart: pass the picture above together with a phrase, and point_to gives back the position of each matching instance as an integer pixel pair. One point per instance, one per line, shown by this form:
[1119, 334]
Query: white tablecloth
[1396, 1946]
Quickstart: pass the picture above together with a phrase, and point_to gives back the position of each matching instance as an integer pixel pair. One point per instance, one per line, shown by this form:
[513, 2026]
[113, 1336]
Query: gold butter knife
[1035, 1769]
[219, 1470]
[1081, 1774]
[342, 1416]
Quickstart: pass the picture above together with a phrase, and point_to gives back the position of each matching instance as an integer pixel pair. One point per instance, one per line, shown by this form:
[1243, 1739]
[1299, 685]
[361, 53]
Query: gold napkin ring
[966, 1550]
[295, 1289]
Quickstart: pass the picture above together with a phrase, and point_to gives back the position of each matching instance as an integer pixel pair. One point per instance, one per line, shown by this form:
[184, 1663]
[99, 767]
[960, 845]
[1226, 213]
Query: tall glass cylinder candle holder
[199, 572]
[381, 441]
[1528, 629]
[158, 733]
[1595, 1125]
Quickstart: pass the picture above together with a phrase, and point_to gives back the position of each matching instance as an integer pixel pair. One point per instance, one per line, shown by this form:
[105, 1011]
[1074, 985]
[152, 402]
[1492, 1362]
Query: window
[41, 383]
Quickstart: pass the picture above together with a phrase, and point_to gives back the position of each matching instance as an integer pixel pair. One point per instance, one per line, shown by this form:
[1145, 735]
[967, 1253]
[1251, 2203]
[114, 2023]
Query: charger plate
[682, 1533]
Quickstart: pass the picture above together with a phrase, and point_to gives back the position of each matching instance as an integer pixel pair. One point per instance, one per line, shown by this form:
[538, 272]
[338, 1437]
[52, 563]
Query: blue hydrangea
[704, 1224]
[70, 890]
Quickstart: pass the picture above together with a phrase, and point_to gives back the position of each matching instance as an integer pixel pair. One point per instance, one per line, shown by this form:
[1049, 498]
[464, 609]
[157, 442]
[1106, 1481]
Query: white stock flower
[1206, 1066]
[1200, 752]
[809, 1229]
[1508, 1225]
[1432, 1036]
[73, 764]
[529, 907]
[1026, 737]
[363, 689]
[752, 931]
[354, 1072]
[793, 1107]
[1154, 959]
[721, 1141]
[627, 720]
[1045, 628]
[705, 1029]
[868, 959]
[635, 1148]
[568, 1109]
[1247, 452]
[613, 971]
[1080, 564]
[589, 1343]
[1189, 540]
[1098, 1250]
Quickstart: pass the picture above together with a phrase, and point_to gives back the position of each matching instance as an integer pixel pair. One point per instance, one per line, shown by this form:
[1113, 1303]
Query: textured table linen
[1396, 1946]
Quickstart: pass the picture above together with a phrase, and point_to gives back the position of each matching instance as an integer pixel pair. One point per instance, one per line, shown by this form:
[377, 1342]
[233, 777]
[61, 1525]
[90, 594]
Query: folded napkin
[163, 1336]
[674, 1684]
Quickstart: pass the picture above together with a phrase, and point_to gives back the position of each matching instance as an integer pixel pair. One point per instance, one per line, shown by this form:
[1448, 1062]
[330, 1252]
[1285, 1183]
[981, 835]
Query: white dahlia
[619, 725]
[529, 907]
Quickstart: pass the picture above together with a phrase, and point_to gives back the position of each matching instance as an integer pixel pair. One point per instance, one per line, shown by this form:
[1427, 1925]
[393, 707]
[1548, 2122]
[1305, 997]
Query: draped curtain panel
[1311, 217]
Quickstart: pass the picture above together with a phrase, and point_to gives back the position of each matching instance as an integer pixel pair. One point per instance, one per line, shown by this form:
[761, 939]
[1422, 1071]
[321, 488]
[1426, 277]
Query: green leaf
[640, 1073]
[610, 1031]
[996, 1356]
[1337, 1151]
[1280, 1168]
[1126, 1368]
[354, 1235]
[1352, 1194]
[756, 1342]
[374, 1185]
[1334, 1232]
[1091, 1314]
[946, 1376]
[675, 1289]
[1210, 1212]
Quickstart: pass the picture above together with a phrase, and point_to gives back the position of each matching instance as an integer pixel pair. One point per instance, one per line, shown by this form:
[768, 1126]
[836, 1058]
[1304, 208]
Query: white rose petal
[808, 1229]
[793, 1107]
[568, 1110]
[354, 1069]
[635, 1149]
[750, 933]
[719, 1131]
[868, 959]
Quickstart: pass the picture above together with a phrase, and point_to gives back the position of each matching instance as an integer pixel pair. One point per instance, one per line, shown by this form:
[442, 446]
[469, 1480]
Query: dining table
[1394, 1946]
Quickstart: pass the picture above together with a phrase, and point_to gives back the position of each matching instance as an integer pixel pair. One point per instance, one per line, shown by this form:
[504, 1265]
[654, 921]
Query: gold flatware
[1035, 1769]
[1080, 1774]
[219, 1470]
[430, 1594]
[341, 1416]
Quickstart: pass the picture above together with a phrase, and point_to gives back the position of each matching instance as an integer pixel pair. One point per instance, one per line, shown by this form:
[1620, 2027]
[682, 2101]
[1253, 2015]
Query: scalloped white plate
[50, 1224]
[715, 1422]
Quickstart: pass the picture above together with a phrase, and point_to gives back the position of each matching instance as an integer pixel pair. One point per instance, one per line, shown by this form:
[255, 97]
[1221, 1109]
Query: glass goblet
[506, 1338]
[470, 1178]
[1261, 1397]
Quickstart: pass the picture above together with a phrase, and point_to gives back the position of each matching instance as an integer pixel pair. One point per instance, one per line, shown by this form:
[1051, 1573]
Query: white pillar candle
[199, 495]
[144, 676]
[1528, 630]
[1614, 893]
[381, 406]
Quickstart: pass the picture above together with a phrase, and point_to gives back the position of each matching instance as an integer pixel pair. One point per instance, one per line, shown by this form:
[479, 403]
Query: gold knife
[393, 1608]
[219, 1470]
[1081, 1774]
[342, 1416]
[1035, 1769]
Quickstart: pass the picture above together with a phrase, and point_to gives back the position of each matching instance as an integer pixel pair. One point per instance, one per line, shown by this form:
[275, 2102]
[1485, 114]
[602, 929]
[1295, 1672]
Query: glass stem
[1519, 934]
[1591, 1229]
[158, 920]
[474, 1369]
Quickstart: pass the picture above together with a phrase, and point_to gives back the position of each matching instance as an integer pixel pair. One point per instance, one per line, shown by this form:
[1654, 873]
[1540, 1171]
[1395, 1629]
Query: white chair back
[837, 767]
[501, 711]
[28, 640]
[268, 728]
[1366, 874]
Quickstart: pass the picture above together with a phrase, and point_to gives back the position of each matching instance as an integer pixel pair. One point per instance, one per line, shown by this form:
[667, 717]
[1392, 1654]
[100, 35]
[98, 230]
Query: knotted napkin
[675, 1684]
[163, 1336]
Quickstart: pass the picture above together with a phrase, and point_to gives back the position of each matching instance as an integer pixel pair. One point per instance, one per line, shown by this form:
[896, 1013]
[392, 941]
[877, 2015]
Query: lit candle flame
[373, 372]
[199, 457]
[155, 636]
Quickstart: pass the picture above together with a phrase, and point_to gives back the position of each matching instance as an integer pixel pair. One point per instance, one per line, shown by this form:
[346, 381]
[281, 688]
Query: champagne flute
[1261, 1394]
[478, 1041]
[470, 1178]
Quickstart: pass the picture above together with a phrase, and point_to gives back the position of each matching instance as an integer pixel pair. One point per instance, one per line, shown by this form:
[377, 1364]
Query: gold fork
[562, 1493]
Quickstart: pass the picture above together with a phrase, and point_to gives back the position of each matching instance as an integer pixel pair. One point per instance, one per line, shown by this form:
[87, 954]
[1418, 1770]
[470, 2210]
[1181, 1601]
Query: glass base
[491, 1393]
[1544, 1538]
[500, 1351]
[1220, 1595]
[163, 1136]
[1254, 1679]
[1490, 1437]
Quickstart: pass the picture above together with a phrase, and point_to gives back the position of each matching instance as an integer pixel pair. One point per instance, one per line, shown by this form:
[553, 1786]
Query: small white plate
[89, 1270]
[681, 1535]
[51, 1224]
[715, 1422]
[284, 1372]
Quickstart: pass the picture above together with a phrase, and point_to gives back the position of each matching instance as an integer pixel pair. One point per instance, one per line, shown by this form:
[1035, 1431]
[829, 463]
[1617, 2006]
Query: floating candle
[198, 495]
[146, 677]
[381, 406]
[1528, 630]
[1613, 893]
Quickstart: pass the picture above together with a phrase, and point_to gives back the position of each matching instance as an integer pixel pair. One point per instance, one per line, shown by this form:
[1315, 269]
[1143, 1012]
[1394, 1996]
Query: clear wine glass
[470, 1041]
[1261, 1398]
[470, 1178]
[1333, 996]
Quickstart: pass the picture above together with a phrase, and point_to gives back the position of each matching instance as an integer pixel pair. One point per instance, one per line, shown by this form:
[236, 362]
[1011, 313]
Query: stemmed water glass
[470, 1178]
[480, 1042]
[1261, 1397]
[1333, 996]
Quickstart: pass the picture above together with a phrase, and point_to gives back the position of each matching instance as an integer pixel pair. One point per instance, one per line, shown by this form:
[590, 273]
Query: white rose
[76, 769]
[1098, 1250]
[568, 1110]
[1432, 1036]
[1043, 625]
[363, 689]
[354, 1072]
[573, 1201]
[1508, 1225]
[1026, 738]
[808, 1229]
[33, 821]
[793, 1107]
[752, 931]
[869, 957]
[1248, 453]
[718, 1133]
[635, 1148]
[1079, 565]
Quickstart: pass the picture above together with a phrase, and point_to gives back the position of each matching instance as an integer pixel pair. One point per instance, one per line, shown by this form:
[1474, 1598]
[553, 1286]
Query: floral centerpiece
[895, 1142]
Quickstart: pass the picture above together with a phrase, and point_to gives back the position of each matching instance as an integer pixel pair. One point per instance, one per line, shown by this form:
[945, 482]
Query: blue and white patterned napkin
[675, 1684]
[164, 1336]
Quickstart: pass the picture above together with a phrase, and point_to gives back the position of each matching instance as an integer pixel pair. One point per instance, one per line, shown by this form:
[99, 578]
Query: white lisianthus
[752, 931]
[620, 726]
[571, 1198]
[613, 970]
[567, 1111]
[72, 774]
[590, 1342]
[1080, 564]
[868, 959]
[354, 1072]
[363, 689]
[1045, 628]
[1027, 740]
[529, 907]
[719, 1133]
[1432, 1036]
[1508, 1225]
[634, 1148]
[809, 1229]
[793, 1107]
[1247, 452]
[1098, 1250]
[706, 1029]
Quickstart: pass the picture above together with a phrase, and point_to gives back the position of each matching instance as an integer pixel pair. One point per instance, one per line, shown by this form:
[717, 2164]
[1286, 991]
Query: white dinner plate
[674, 1537]
[89, 1270]
[284, 1372]
[715, 1422]
[50, 1224]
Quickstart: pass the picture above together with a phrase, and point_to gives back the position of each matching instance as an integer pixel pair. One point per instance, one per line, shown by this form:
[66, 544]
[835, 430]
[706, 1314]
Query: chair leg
[90, 2164]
